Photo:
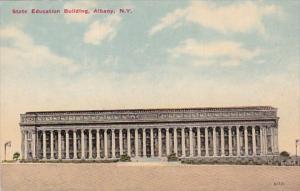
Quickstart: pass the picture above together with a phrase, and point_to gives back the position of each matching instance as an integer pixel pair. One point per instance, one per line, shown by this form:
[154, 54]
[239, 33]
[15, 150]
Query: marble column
[59, 144]
[105, 144]
[44, 145]
[265, 140]
[253, 141]
[272, 139]
[246, 140]
[175, 141]
[214, 142]
[136, 142]
[113, 142]
[144, 142]
[33, 144]
[22, 144]
[183, 142]
[261, 140]
[25, 145]
[238, 151]
[90, 144]
[191, 142]
[159, 142]
[128, 143]
[167, 141]
[51, 145]
[74, 144]
[82, 144]
[67, 145]
[198, 142]
[276, 140]
[206, 142]
[97, 144]
[38, 145]
[222, 142]
[121, 141]
[152, 142]
[230, 141]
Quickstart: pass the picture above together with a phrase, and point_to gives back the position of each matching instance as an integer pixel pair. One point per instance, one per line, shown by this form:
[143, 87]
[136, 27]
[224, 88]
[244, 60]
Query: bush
[16, 156]
[284, 154]
[125, 158]
[172, 157]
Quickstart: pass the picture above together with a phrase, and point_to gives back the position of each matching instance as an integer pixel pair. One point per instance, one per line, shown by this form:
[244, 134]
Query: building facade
[150, 133]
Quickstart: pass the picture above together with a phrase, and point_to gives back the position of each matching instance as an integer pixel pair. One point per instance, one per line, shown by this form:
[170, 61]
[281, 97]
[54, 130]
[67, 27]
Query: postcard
[150, 95]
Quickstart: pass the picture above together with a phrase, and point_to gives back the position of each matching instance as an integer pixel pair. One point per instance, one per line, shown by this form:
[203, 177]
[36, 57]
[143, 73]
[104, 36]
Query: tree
[284, 154]
[16, 156]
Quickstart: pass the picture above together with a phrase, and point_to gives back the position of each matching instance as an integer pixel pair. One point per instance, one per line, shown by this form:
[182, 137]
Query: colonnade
[110, 143]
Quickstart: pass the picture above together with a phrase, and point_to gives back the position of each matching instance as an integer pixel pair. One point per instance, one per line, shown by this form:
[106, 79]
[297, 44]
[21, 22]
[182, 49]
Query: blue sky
[163, 54]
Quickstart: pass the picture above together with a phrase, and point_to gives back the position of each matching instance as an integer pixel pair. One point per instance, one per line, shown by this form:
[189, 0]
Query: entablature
[152, 116]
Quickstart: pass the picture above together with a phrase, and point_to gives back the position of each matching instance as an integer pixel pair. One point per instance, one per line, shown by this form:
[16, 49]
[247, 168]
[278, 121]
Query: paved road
[147, 176]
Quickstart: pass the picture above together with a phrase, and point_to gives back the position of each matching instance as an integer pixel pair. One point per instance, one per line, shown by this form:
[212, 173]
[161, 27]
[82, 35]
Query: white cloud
[23, 52]
[111, 60]
[228, 53]
[100, 31]
[78, 18]
[239, 17]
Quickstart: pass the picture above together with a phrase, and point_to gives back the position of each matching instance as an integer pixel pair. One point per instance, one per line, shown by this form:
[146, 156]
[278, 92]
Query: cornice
[149, 116]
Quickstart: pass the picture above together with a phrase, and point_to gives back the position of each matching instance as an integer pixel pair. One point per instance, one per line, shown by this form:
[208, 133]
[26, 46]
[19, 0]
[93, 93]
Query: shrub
[125, 158]
[172, 157]
[16, 156]
[284, 154]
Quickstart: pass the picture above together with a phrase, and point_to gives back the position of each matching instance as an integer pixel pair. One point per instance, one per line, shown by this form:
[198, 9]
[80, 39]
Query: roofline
[160, 109]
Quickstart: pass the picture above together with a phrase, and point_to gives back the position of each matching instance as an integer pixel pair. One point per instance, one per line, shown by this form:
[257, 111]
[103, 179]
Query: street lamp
[7, 144]
[297, 143]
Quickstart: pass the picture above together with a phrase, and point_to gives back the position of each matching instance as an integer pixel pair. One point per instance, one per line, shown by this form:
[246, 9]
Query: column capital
[112, 130]
[144, 130]
[97, 130]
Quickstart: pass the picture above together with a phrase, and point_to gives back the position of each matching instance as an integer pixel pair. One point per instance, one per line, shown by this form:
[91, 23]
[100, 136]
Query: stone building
[150, 133]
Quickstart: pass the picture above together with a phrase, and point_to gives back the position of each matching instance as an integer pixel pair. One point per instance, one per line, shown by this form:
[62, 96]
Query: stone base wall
[262, 160]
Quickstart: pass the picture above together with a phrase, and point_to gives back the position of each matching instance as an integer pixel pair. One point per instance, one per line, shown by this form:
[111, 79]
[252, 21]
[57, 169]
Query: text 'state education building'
[229, 132]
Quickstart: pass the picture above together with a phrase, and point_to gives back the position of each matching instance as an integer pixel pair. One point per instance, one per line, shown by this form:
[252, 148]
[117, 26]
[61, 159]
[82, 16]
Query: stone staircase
[148, 159]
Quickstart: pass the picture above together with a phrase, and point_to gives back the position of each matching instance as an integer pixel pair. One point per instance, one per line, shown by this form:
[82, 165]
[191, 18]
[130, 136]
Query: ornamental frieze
[145, 116]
